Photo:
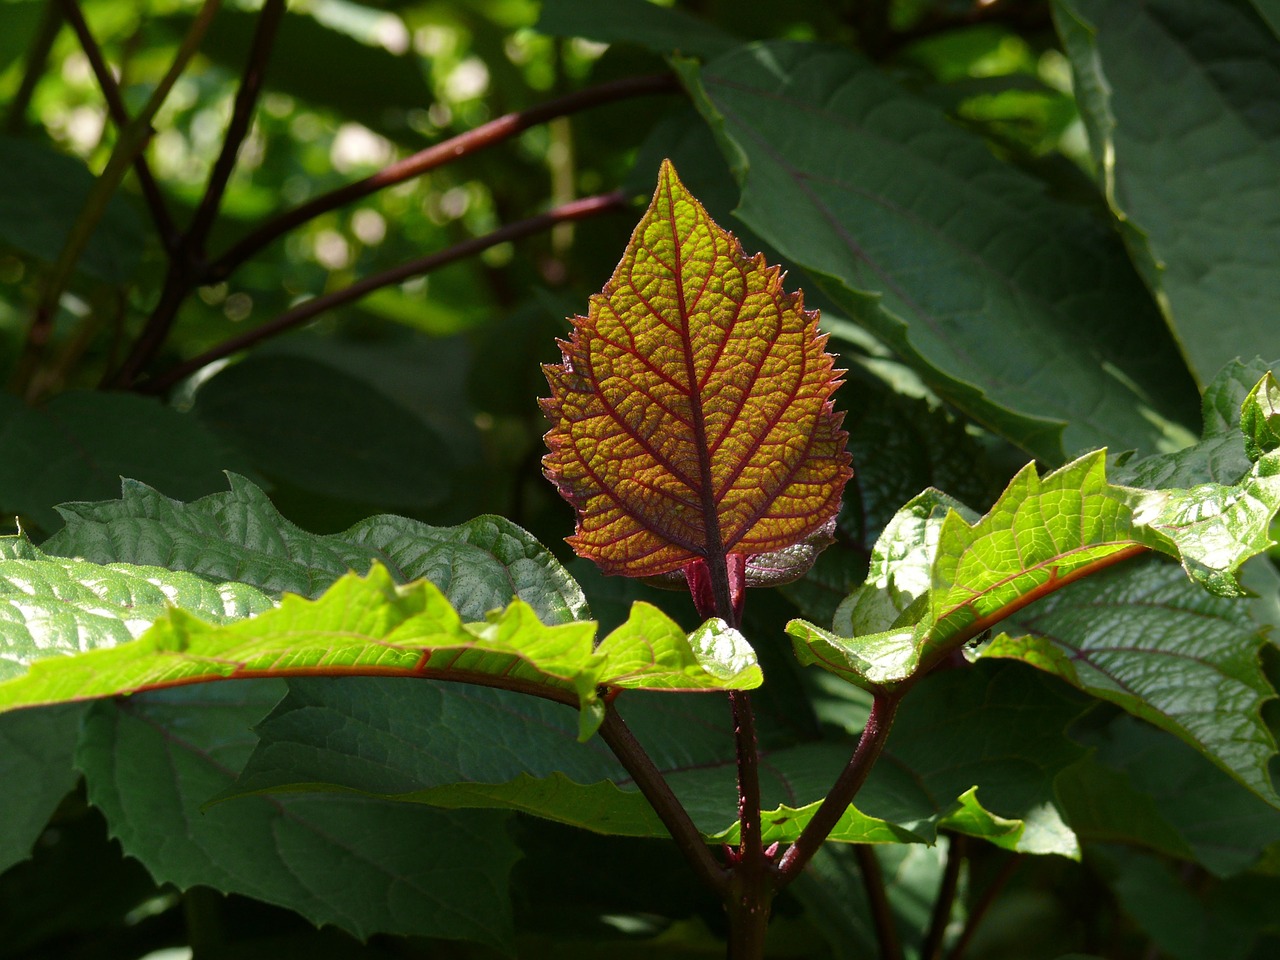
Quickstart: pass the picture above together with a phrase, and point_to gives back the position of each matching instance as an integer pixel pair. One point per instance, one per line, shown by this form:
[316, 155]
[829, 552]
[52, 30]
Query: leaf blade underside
[691, 413]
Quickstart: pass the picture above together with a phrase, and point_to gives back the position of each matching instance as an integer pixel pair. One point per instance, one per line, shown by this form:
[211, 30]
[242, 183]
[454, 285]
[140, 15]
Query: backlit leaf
[370, 626]
[691, 412]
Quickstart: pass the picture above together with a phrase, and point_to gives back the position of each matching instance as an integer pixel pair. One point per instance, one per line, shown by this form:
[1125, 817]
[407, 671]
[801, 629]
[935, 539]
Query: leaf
[1171, 93]
[1260, 418]
[691, 415]
[321, 430]
[368, 866]
[959, 262]
[35, 774]
[79, 445]
[479, 565]
[1141, 785]
[990, 728]
[1144, 638]
[43, 194]
[370, 626]
[662, 30]
[57, 609]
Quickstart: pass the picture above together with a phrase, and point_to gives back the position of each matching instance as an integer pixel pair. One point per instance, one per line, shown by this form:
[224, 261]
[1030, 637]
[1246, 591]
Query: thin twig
[488, 134]
[618, 736]
[187, 265]
[120, 117]
[578, 210]
[878, 899]
[37, 56]
[837, 800]
[130, 143]
[247, 93]
[983, 906]
[945, 900]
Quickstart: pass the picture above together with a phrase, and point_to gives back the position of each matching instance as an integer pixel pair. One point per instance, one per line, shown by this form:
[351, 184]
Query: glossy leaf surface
[691, 413]
[370, 626]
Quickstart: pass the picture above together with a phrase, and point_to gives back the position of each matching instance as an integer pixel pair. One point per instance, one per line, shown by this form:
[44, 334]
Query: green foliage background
[1034, 229]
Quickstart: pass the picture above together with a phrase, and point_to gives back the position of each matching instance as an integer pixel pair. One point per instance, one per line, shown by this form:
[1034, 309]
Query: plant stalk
[657, 791]
[883, 709]
[578, 210]
[485, 135]
[878, 899]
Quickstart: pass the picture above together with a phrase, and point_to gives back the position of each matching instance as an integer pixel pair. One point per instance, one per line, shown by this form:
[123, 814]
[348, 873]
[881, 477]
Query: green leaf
[368, 866]
[55, 609]
[1143, 786]
[322, 430]
[35, 774]
[480, 565]
[370, 626]
[660, 29]
[1220, 453]
[77, 447]
[959, 262]
[43, 194]
[1186, 159]
[1144, 638]
[1260, 418]
[989, 729]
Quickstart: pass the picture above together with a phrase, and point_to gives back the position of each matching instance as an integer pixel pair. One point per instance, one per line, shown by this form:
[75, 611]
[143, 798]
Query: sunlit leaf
[370, 626]
[691, 413]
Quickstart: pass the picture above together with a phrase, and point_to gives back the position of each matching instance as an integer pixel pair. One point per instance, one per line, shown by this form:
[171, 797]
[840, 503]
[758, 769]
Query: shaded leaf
[660, 29]
[1142, 786]
[994, 731]
[1144, 638]
[35, 774]
[43, 194]
[79, 445]
[691, 415]
[151, 763]
[1175, 95]
[959, 262]
[479, 565]
[319, 429]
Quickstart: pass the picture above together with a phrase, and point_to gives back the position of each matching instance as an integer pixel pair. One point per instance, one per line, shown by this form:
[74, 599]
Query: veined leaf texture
[691, 413]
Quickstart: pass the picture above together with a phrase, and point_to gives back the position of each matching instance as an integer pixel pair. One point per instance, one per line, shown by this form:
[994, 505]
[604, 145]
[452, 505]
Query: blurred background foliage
[420, 398]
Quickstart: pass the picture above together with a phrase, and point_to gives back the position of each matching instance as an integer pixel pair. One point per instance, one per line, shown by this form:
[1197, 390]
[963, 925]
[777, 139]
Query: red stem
[883, 709]
[878, 899]
[578, 210]
[495, 131]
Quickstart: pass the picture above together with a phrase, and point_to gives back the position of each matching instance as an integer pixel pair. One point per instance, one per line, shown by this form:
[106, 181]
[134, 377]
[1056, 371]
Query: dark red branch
[945, 900]
[486, 135]
[247, 93]
[883, 709]
[878, 900]
[578, 210]
[618, 736]
[120, 117]
[980, 910]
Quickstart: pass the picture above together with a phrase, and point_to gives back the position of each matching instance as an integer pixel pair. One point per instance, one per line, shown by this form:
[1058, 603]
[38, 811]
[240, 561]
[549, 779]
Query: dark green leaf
[366, 865]
[1144, 638]
[79, 445]
[480, 565]
[660, 29]
[1143, 786]
[35, 774]
[959, 262]
[319, 429]
[42, 194]
[1176, 96]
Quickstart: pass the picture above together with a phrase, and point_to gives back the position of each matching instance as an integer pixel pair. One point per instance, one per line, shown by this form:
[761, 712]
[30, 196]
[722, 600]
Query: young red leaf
[692, 415]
